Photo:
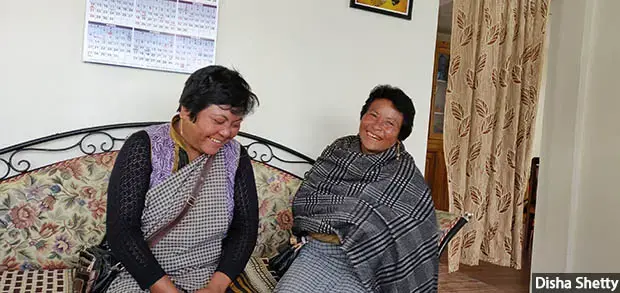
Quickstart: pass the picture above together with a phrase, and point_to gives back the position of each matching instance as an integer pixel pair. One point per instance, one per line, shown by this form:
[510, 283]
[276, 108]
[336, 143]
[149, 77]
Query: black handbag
[280, 263]
[97, 267]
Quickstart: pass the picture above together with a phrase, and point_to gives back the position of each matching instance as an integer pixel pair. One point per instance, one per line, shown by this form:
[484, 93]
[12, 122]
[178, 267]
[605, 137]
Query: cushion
[445, 221]
[275, 195]
[49, 214]
[51, 281]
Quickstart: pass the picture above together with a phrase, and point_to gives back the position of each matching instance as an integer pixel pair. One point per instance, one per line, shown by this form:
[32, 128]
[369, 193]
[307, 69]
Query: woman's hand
[164, 285]
[218, 284]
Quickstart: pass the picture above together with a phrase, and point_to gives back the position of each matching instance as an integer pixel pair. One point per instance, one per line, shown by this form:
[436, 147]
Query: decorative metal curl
[102, 146]
[15, 167]
[266, 157]
[8, 168]
[23, 165]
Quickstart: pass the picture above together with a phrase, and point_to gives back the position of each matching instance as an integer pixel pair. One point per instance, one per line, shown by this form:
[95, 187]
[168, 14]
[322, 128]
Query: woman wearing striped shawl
[367, 210]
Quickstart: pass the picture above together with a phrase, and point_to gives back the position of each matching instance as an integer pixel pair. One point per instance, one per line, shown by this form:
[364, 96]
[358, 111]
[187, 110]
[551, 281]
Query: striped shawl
[381, 209]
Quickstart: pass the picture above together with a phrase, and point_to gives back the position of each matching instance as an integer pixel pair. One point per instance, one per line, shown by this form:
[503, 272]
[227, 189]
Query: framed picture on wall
[397, 8]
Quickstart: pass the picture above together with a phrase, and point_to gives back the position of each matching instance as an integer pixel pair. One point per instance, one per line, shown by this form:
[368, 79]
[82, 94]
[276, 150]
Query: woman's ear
[184, 113]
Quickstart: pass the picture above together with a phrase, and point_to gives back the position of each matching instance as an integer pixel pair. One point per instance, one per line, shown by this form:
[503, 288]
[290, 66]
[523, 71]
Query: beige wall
[576, 220]
[312, 64]
[540, 112]
[596, 239]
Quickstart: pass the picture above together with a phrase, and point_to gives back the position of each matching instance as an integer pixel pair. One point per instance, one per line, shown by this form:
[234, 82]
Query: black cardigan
[129, 183]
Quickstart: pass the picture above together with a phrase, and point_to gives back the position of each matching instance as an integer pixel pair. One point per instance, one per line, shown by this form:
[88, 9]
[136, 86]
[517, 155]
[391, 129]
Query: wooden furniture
[435, 172]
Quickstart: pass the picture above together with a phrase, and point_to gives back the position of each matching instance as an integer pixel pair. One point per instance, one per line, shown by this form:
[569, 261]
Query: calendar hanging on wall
[169, 35]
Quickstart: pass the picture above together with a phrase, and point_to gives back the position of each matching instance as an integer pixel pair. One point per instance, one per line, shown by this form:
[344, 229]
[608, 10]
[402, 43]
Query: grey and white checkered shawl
[190, 252]
[381, 209]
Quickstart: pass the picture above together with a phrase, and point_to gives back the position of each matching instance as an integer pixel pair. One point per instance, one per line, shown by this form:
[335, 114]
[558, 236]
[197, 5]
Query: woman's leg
[320, 267]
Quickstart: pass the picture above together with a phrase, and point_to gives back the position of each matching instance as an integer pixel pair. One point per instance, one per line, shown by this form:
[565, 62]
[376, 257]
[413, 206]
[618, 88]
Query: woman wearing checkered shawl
[154, 175]
[367, 210]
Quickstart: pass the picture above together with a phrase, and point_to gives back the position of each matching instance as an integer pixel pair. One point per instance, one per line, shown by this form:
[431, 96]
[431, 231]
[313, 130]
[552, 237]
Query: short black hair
[217, 85]
[401, 101]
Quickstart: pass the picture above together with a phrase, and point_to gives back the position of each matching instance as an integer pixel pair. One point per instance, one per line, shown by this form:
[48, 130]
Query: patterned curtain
[494, 78]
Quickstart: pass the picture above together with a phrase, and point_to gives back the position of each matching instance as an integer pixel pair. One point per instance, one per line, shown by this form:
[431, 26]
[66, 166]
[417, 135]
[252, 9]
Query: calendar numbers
[156, 15]
[171, 35]
[108, 42]
[195, 19]
[119, 12]
[193, 53]
[153, 50]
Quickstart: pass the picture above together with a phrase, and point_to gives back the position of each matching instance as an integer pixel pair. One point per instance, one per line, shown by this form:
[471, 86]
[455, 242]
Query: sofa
[50, 210]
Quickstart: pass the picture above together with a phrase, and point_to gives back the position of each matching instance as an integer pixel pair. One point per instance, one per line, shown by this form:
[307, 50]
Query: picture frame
[397, 8]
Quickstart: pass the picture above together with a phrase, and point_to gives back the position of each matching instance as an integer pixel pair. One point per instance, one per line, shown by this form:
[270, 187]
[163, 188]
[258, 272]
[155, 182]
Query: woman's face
[214, 127]
[380, 126]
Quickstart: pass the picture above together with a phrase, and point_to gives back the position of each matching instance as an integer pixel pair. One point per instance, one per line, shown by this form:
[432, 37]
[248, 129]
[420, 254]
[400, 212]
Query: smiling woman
[211, 112]
[380, 126]
[209, 130]
[191, 169]
[367, 210]
[386, 118]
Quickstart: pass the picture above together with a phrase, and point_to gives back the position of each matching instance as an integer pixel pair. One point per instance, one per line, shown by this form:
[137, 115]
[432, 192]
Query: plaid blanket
[381, 209]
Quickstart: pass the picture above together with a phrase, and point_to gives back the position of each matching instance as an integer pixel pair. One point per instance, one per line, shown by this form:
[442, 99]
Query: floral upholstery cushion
[47, 215]
[276, 190]
[446, 221]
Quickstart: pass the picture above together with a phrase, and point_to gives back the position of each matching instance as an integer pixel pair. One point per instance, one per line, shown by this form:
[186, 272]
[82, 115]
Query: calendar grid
[169, 35]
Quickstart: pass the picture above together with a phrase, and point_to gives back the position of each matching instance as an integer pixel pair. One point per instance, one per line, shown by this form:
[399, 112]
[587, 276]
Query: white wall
[577, 202]
[596, 250]
[540, 112]
[43, 81]
[320, 59]
[317, 58]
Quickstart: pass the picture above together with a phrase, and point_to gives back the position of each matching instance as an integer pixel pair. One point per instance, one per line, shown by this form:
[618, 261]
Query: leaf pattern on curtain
[492, 94]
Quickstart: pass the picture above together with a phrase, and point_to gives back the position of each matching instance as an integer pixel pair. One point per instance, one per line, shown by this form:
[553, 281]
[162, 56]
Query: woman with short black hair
[367, 210]
[160, 168]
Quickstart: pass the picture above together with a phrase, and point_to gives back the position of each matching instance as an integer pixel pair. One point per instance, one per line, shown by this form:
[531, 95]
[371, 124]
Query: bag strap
[161, 232]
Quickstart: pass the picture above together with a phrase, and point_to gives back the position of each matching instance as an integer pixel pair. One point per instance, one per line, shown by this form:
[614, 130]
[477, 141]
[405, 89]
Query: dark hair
[401, 101]
[217, 85]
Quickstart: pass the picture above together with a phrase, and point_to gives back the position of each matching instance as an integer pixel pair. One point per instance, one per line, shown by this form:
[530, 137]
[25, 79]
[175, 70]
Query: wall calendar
[169, 35]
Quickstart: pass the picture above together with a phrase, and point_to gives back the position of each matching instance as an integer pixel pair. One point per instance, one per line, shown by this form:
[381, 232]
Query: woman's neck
[192, 152]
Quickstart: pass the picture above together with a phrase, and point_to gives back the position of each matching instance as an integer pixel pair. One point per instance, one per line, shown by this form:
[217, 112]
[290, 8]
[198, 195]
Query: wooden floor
[483, 278]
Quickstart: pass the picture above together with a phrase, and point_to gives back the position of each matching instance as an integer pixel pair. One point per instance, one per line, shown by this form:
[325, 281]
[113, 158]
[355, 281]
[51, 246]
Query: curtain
[491, 101]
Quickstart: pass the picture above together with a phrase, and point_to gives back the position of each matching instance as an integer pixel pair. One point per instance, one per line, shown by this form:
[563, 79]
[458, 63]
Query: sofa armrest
[456, 227]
